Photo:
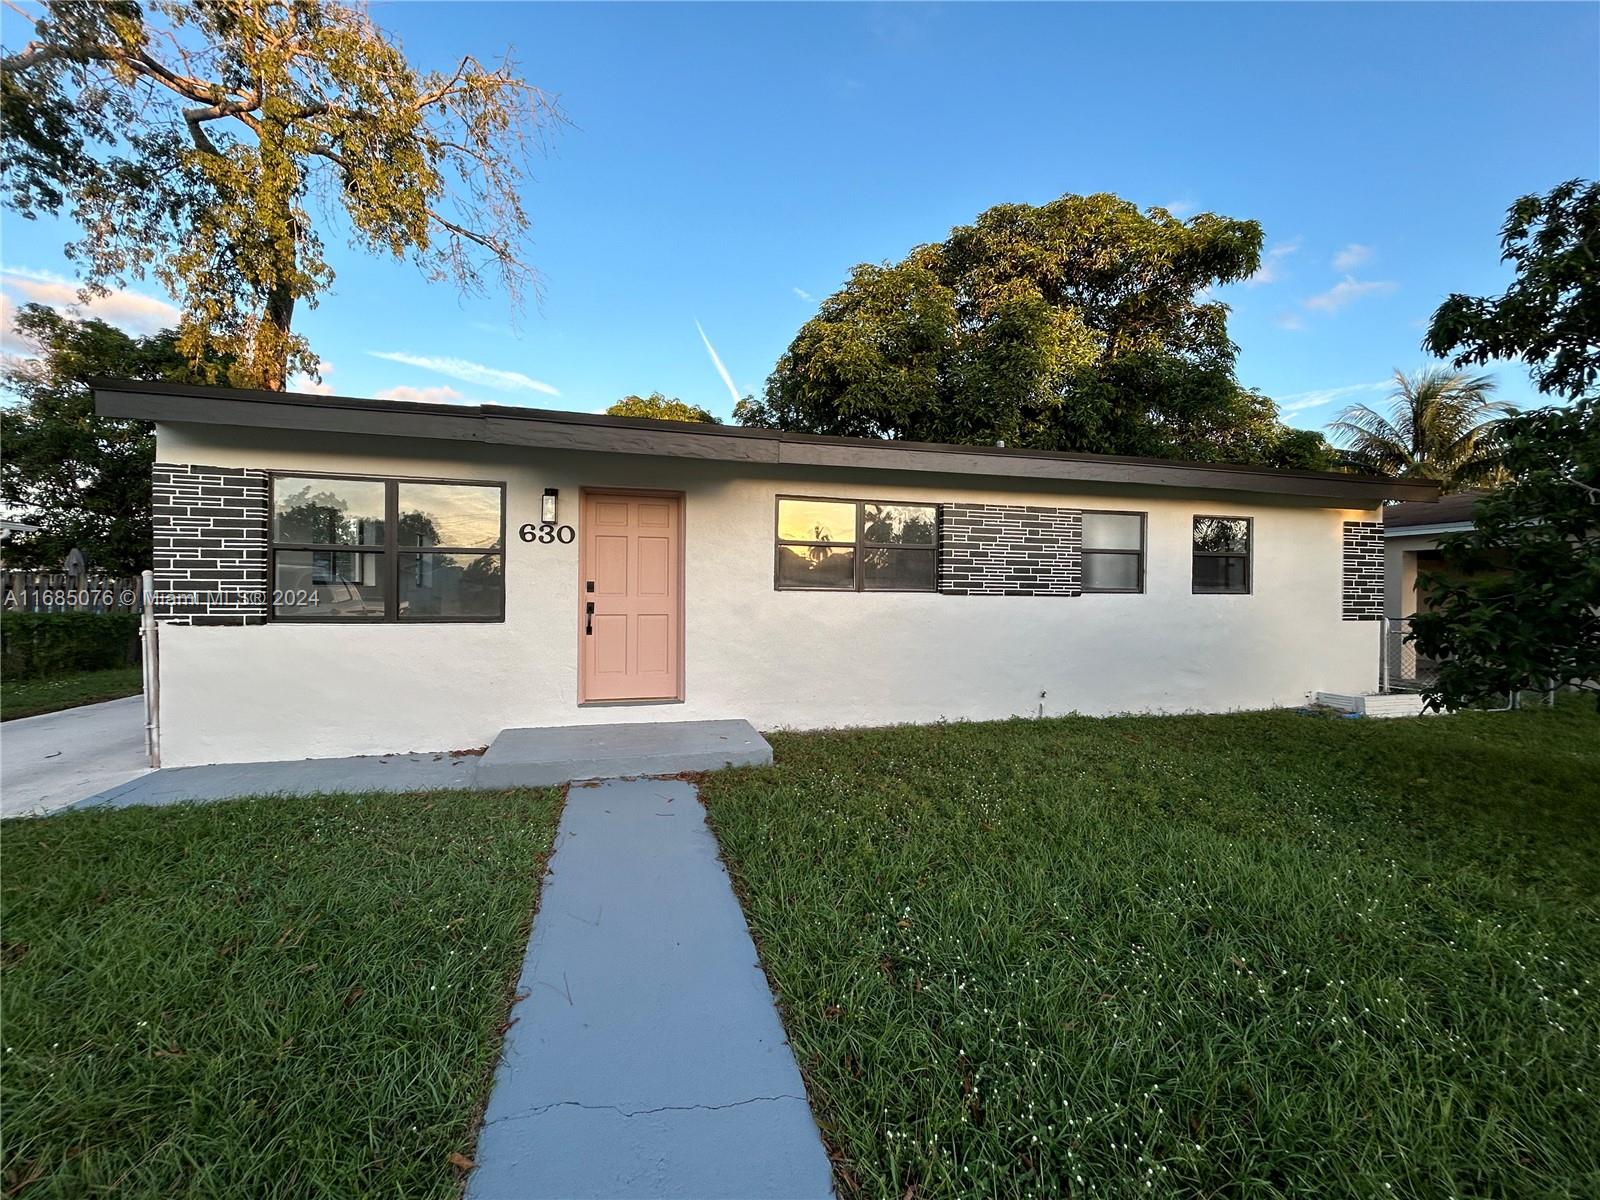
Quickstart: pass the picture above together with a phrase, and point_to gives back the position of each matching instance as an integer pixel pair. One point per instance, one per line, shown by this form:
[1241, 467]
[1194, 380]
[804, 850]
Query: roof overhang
[546, 429]
[1404, 531]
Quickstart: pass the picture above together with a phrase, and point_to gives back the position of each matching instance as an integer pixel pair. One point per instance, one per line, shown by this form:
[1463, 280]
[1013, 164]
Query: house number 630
[545, 534]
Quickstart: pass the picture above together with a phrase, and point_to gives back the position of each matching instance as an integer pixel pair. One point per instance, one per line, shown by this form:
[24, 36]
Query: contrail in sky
[717, 362]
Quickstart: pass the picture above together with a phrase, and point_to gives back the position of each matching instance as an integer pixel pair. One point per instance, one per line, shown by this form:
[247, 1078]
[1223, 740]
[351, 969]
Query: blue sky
[727, 165]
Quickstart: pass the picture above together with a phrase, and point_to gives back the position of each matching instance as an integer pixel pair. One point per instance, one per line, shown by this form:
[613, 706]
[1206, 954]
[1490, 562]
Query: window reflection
[850, 545]
[334, 556]
[450, 585]
[1221, 555]
[325, 584]
[337, 512]
[449, 514]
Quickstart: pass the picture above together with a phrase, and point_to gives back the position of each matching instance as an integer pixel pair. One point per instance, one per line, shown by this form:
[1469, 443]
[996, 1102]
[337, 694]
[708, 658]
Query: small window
[386, 550]
[1113, 552]
[856, 545]
[1222, 555]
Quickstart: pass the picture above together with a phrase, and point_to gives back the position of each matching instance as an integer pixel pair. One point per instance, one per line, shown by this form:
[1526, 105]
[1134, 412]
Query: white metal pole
[151, 663]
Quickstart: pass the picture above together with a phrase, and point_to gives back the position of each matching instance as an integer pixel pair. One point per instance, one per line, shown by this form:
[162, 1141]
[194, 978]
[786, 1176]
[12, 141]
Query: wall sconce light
[547, 507]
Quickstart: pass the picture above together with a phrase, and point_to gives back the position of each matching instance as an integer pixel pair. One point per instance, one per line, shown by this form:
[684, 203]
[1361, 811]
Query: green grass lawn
[264, 998]
[1248, 956]
[30, 697]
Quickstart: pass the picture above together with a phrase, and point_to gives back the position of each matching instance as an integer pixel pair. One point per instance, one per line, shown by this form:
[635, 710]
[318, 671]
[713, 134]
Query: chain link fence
[1404, 668]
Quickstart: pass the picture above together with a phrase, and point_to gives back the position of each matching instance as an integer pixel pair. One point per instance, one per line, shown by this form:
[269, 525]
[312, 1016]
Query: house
[13, 529]
[1411, 533]
[346, 576]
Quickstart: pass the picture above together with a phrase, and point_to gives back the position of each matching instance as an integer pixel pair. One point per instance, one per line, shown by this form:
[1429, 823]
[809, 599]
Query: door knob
[588, 618]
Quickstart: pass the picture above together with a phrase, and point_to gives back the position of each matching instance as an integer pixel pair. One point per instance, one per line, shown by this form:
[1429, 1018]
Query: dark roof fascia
[495, 424]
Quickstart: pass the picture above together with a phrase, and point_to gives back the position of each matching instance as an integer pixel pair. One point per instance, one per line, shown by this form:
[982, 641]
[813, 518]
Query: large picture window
[1222, 555]
[1113, 552]
[856, 545]
[356, 549]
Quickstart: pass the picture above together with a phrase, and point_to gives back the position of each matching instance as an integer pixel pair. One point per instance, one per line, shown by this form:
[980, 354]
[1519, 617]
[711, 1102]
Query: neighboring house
[1411, 533]
[356, 576]
[10, 529]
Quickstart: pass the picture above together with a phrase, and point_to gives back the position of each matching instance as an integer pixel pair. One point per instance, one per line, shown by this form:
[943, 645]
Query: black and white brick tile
[1010, 550]
[210, 544]
[1363, 570]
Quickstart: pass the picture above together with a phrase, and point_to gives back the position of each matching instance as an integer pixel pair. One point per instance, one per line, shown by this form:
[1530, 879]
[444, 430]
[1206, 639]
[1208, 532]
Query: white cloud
[1346, 292]
[1299, 402]
[305, 383]
[1272, 263]
[803, 294]
[131, 311]
[1292, 321]
[717, 362]
[470, 372]
[11, 340]
[443, 394]
[1351, 257]
[1180, 208]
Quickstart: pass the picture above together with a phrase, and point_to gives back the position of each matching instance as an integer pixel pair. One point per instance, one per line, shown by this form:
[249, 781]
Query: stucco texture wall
[778, 659]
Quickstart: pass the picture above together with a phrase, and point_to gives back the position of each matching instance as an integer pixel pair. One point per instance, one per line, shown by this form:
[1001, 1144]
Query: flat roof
[507, 425]
[1456, 509]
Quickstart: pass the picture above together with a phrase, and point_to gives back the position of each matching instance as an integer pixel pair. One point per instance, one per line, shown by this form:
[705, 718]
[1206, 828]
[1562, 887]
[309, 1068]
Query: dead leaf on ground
[457, 1159]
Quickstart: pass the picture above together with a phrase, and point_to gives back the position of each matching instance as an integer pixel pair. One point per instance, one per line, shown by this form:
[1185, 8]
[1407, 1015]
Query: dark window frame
[858, 545]
[388, 551]
[1249, 556]
[1084, 550]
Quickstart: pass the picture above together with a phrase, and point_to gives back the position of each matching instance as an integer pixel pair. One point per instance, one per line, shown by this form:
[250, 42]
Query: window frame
[388, 551]
[857, 546]
[1249, 555]
[1084, 550]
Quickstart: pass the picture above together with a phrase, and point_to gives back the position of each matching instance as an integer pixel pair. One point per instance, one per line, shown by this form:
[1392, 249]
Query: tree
[1549, 315]
[1442, 425]
[660, 408]
[1083, 324]
[1520, 608]
[193, 140]
[83, 479]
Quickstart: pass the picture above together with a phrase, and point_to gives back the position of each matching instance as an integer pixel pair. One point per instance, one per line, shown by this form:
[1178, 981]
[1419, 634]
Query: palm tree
[1441, 425]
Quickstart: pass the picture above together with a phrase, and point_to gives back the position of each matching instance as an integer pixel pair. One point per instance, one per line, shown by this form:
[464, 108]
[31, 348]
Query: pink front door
[632, 575]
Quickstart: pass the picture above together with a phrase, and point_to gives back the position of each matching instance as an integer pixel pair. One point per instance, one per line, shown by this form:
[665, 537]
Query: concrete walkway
[298, 777]
[646, 1059]
[52, 761]
[517, 758]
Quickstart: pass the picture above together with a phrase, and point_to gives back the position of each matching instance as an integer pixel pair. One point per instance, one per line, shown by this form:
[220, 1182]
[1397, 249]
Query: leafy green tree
[1520, 607]
[1082, 325]
[83, 479]
[660, 408]
[195, 140]
[1530, 615]
[1441, 425]
[1549, 315]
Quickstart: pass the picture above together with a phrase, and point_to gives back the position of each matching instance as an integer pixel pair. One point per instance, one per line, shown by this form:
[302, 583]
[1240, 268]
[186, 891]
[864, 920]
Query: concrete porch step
[563, 753]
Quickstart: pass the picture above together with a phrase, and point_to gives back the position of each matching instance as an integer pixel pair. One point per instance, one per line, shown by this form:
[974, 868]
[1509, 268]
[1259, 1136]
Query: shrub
[38, 645]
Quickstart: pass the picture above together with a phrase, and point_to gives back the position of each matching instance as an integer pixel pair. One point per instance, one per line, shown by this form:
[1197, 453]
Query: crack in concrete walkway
[647, 1059]
[639, 1112]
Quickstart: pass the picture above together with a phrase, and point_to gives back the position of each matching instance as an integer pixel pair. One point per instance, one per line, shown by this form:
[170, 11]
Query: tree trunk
[279, 179]
[272, 344]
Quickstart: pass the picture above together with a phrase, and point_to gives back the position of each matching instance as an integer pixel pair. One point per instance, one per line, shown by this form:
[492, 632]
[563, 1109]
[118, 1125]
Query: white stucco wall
[779, 659]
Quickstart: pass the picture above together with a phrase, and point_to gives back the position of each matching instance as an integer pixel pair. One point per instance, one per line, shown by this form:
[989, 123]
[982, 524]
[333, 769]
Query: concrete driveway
[57, 759]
